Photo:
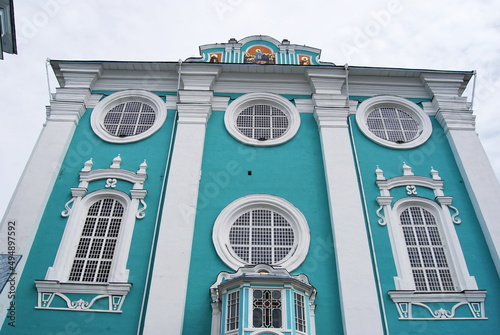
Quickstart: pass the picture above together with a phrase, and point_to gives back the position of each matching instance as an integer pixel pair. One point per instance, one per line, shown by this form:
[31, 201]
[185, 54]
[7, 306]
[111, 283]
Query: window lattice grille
[129, 118]
[267, 309]
[426, 251]
[233, 304]
[392, 124]
[97, 243]
[262, 122]
[261, 236]
[300, 317]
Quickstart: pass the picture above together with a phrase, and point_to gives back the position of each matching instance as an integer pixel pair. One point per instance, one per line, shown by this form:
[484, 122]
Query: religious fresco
[215, 57]
[259, 54]
[304, 59]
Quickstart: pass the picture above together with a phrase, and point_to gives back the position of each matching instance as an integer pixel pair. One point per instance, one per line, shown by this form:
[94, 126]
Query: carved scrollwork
[381, 221]
[454, 217]
[65, 213]
[140, 212]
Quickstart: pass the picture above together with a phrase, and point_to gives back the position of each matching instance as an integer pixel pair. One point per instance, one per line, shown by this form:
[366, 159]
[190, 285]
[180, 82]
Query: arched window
[96, 247]
[426, 250]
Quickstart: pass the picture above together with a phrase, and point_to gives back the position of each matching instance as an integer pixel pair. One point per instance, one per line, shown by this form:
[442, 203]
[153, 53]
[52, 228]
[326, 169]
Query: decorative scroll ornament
[454, 218]
[140, 212]
[381, 221]
[65, 213]
[111, 182]
[411, 190]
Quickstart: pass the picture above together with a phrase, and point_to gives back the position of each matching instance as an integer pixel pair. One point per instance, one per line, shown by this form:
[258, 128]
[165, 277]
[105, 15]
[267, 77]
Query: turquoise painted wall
[436, 153]
[84, 145]
[293, 171]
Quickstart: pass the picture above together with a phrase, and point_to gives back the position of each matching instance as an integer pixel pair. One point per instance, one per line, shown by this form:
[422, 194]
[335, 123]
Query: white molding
[357, 283]
[423, 121]
[114, 293]
[250, 99]
[115, 99]
[226, 218]
[406, 301]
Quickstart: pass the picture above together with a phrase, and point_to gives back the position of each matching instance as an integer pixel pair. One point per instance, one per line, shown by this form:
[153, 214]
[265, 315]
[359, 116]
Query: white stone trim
[424, 123]
[250, 99]
[225, 220]
[406, 301]
[115, 99]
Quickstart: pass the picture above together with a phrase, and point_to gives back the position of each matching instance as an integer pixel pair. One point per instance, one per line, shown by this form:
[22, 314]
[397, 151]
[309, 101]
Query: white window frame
[115, 99]
[407, 106]
[65, 256]
[234, 210]
[454, 256]
[251, 99]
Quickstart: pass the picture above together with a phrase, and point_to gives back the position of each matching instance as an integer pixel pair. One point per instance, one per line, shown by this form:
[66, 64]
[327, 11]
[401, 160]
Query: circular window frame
[227, 217]
[115, 99]
[251, 99]
[407, 106]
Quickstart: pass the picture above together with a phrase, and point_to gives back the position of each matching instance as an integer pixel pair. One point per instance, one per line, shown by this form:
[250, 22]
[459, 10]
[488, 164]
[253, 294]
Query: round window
[128, 116]
[261, 229]
[262, 119]
[393, 122]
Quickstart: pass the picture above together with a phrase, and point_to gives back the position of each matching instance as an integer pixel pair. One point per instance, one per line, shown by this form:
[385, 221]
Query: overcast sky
[425, 34]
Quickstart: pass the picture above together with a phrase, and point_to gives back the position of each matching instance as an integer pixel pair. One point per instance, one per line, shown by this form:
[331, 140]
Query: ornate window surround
[115, 99]
[405, 296]
[262, 277]
[250, 99]
[56, 280]
[235, 209]
[417, 113]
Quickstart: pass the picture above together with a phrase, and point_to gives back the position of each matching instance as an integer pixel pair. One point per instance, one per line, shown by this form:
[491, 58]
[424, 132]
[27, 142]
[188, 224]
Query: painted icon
[259, 54]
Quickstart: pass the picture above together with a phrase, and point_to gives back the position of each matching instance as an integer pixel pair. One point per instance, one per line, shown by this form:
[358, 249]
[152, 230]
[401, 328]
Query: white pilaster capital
[331, 117]
[195, 96]
[194, 113]
[65, 111]
[77, 75]
[326, 81]
[451, 84]
[199, 77]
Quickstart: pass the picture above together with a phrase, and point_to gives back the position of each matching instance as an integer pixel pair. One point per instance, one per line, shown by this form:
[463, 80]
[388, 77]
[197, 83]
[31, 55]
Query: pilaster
[33, 190]
[167, 296]
[357, 283]
[479, 178]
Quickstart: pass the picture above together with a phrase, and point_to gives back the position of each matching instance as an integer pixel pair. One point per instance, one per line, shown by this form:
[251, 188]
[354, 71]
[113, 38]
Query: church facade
[253, 190]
